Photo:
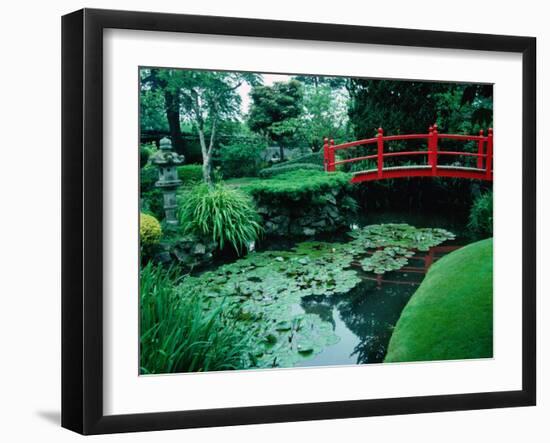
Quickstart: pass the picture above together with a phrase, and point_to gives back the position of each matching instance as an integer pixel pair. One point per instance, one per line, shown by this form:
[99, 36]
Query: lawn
[450, 316]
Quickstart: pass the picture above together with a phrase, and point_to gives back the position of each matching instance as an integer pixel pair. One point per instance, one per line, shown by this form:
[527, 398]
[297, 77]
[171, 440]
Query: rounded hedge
[276, 170]
[150, 231]
[450, 316]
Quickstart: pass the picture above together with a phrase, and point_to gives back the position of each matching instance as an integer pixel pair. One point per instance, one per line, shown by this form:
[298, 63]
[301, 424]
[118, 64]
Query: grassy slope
[450, 316]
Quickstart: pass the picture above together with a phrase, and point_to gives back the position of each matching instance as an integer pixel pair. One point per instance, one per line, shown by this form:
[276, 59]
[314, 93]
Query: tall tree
[208, 98]
[275, 110]
[157, 83]
[325, 114]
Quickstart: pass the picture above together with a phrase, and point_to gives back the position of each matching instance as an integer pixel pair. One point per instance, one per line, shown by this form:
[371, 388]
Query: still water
[365, 317]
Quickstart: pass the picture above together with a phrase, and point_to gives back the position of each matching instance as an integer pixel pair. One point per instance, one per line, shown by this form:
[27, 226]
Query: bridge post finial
[435, 127]
[380, 132]
[430, 129]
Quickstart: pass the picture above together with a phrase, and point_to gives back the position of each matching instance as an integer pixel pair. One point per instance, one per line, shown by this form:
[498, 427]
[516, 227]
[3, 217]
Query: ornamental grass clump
[223, 214]
[181, 332]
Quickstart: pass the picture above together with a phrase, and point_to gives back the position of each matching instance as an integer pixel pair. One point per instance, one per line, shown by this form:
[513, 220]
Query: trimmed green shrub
[190, 173]
[304, 202]
[180, 333]
[240, 159]
[481, 216]
[450, 316]
[299, 184]
[150, 231]
[270, 172]
[223, 214]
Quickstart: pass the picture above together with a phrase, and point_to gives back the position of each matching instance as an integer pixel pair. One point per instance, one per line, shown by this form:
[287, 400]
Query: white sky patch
[268, 80]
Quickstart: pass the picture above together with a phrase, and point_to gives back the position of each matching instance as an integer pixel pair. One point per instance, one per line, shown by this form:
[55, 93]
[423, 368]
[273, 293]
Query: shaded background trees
[275, 111]
[402, 107]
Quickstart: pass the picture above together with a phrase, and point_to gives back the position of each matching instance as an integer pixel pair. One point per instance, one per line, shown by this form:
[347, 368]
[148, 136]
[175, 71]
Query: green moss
[450, 316]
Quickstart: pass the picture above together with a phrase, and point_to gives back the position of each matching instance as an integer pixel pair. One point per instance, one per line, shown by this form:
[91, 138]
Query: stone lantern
[168, 181]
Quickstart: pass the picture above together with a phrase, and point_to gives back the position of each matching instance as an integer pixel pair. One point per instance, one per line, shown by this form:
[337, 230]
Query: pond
[364, 318]
[329, 301]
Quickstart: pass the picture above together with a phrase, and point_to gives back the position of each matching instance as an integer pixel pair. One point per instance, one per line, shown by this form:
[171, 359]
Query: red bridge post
[489, 162]
[326, 154]
[480, 151]
[433, 149]
[430, 142]
[380, 157]
[332, 156]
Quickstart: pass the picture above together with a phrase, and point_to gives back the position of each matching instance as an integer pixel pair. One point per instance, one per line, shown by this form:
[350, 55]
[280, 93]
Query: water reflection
[364, 318]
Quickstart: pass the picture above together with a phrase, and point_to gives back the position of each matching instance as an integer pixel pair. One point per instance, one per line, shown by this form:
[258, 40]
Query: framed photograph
[269, 221]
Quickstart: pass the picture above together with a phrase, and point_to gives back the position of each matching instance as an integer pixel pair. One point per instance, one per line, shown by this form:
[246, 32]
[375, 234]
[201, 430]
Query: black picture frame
[82, 215]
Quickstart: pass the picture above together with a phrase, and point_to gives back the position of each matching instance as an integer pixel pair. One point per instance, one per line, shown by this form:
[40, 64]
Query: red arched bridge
[429, 166]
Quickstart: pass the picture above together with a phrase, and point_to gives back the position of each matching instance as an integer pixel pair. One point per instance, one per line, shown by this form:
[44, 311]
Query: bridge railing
[484, 152]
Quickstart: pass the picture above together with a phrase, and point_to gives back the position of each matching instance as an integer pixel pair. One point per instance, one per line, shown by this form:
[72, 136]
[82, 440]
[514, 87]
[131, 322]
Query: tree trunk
[206, 159]
[281, 153]
[207, 169]
[172, 106]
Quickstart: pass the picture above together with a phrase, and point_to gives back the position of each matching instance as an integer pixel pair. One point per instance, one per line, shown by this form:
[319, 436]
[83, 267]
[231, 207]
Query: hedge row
[284, 168]
[296, 185]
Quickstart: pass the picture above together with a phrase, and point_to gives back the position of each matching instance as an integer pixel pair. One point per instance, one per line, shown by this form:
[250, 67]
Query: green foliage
[393, 244]
[151, 196]
[405, 107]
[152, 115]
[181, 333]
[315, 158]
[150, 232]
[283, 168]
[274, 110]
[204, 99]
[398, 236]
[241, 158]
[220, 213]
[296, 185]
[325, 113]
[450, 316]
[190, 174]
[145, 151]
[480, 220]
[386, 260]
